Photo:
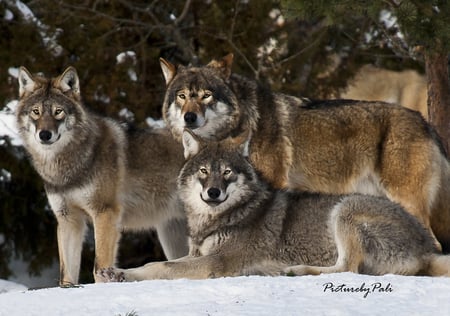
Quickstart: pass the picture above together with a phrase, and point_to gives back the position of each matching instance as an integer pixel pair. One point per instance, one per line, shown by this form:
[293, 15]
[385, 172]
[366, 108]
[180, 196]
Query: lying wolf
[240, 225]
[336, 146]
[96, 170]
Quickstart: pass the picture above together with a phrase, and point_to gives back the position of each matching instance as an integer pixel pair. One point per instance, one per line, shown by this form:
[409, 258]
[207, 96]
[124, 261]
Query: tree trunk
[436, 66]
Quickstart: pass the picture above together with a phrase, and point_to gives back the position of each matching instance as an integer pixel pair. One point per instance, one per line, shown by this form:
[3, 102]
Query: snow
[155, 123]
[48, 39]
[5, 176]
[309, 295]
[7, 286]
[20, 267]
[126, 114]
[8, 15]
[123, 57]
[8, 124]
[13, 72]
[390, 21]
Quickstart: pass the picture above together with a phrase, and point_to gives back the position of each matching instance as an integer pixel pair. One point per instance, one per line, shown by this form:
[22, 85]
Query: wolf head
[217, 175]
[48, 108]
[200, 98]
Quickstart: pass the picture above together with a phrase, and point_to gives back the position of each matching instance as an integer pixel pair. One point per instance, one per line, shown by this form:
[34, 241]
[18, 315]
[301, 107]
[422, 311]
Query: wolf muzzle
[190, 118]
[214, 196]
[47, 137]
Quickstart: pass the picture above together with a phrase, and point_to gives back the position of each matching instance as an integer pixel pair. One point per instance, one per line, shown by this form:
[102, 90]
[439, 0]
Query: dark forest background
[304, 48]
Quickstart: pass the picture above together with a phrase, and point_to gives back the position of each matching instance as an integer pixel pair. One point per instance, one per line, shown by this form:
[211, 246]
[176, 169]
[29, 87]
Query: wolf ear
[169, 70]
[26, 82]
[68, 81]
[191, 143]
[245, 147]
[224, 65]
[242, 142]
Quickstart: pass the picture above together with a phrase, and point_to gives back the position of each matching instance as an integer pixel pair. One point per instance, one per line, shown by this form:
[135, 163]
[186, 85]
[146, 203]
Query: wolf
[241, 225]
[407, 88]
[328, 146]
[96, 170]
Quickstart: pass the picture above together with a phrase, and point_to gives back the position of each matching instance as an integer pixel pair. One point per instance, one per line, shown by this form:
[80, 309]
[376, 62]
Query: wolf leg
[173, 236]
[417, 189]
[203, 267]
[107, 235]
[312, 270]
[439, 265]
[423, 214]
[350, 257]
[347, 241]
[70, 233]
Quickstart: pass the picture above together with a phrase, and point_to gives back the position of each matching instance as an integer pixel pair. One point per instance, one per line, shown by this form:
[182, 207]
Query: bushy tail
[439, 265]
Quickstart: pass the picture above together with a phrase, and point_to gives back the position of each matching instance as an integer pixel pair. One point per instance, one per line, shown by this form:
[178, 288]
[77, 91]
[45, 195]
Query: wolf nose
[45, 135]
[213, 193]
[190, 117]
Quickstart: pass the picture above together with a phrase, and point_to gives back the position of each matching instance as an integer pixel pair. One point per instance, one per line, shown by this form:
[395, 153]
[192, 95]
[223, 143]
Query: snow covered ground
[335, 294]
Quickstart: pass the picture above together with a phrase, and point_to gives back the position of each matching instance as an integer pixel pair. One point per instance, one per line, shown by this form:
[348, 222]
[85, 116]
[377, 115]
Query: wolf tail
[439, 265]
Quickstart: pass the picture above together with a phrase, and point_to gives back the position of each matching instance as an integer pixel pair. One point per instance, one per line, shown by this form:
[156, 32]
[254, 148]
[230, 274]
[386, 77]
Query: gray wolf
[240, 225]
[407, 88]
[331, 146]
[99, 171]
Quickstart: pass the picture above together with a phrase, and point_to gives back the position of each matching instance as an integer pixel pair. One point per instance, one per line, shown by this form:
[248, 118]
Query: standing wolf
[96, 170]
[337, 146]
[240, 225]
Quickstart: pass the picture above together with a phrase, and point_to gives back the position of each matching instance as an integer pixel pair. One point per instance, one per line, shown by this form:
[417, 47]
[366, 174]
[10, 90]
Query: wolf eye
[35, 111]
[182, 96]
[227, 172]
[203, 170]
[207, 95]
[59, 114]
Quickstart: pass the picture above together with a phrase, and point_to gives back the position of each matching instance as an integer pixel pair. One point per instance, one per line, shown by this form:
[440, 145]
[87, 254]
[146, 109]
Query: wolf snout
[213, 196]
[45, 136]
[190, 118]
[214, 193]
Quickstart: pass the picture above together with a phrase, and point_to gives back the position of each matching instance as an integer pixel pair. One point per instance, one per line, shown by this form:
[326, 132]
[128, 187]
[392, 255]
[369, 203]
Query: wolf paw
[110, 275]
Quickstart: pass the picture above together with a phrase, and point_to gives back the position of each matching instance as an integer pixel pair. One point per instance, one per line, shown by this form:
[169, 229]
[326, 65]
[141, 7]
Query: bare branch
[183, 14]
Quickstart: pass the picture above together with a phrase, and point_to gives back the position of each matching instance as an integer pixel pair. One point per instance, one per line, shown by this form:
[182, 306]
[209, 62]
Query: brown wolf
[335, 146]
[407, 88]
[239, 225]
[96, 170]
